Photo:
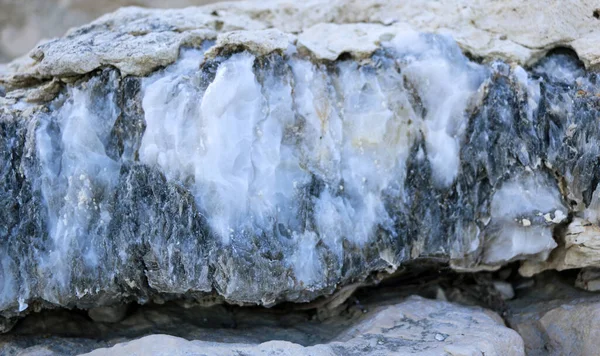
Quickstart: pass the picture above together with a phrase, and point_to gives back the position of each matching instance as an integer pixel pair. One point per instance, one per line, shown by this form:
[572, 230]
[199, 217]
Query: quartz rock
[172, 154]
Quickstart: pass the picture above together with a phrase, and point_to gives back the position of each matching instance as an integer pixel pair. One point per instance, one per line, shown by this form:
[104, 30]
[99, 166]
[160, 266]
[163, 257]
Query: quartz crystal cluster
[260, 168]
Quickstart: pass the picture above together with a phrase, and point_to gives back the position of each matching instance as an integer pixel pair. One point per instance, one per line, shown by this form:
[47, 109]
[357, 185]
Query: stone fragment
[111, 314]
[505, 289]
[588, 279]
[554, 318]
[580, 248]
[328, 41]
[260, 42]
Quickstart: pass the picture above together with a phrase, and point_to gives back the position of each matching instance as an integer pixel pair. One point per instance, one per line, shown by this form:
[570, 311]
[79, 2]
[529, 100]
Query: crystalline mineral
[270, 167]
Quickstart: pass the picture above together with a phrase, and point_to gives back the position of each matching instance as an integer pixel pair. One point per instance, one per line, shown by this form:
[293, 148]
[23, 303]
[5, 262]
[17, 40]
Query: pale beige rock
[138, 41]
[25, 23]
[415, 326]
[329, 41]
[260, 42]
[165, 345]
[512, 30]
[557, 319]
[580, 248]
[589, 279]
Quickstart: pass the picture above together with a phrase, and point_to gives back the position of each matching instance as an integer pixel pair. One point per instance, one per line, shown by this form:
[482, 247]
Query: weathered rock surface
[588, 279]
[25, 23]
[553, 318]
[415, 326]
[237, 151]
[510, 30]
[579, 248]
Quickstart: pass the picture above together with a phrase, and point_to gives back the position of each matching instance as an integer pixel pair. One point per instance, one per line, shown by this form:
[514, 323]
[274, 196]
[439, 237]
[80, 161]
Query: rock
[24, 24]
[261, 42]
[485, 30]
[360, 40]
[231, 151]
[415, 326]
[580, 248]
[110, 314]
[37, 351]
[556, 319]
[588, 279]
[509, 30]
[505, 289]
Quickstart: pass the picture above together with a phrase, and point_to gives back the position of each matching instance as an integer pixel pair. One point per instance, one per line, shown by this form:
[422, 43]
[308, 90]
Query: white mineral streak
[75, 181]
[8, 284]
[249, 144]
[248, 150]
[526, 196]
[445, 82]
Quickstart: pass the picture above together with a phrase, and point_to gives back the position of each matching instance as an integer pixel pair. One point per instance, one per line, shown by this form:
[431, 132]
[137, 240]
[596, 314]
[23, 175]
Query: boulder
[238, 153]
[553, 318]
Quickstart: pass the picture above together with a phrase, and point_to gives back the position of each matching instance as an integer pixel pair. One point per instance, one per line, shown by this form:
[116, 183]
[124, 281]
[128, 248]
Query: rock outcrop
[236, 152]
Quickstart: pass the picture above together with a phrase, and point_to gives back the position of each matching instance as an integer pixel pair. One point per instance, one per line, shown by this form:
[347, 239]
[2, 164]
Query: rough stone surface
[589, 279]
[553, 318]
[264, 166]
[579, 248]
[242, 151]
[25, 23]
[509, 30]
[416, 326]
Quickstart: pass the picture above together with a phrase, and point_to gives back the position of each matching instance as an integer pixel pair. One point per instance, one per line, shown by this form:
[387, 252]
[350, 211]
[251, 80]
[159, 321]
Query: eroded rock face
[509, 30]
[266, 166]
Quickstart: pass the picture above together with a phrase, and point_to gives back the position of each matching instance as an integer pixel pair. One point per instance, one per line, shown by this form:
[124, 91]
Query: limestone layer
[145, 157]
[137, 41]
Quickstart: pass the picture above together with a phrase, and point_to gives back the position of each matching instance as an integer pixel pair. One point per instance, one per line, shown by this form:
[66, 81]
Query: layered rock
[147, 157]
[510, 30]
